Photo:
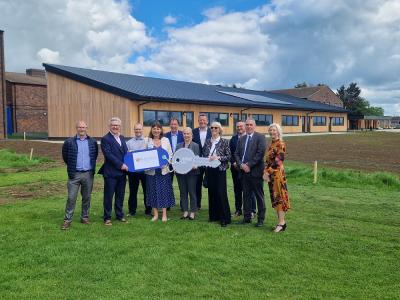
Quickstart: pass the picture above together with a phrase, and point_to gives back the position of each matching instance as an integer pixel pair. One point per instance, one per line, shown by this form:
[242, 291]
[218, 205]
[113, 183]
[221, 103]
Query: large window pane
[189, 119]
[163, 117]
[149, 117]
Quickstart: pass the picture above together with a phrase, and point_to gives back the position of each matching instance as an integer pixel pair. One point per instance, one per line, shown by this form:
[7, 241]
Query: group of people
[246, 153]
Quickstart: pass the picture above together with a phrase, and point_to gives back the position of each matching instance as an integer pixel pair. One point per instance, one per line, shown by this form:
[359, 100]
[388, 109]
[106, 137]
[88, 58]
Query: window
[150, 116]
[319, 121]
[262, 120]
[189, 119]
[290, 120]
[337, 121]
[235, 117]
[223, 118]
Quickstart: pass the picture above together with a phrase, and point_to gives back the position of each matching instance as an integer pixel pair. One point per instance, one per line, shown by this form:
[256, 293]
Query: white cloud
[91, 33]
[49, 56]
[170, 20]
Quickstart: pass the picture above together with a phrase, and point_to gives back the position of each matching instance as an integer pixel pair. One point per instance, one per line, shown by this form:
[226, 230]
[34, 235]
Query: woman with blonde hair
[274, 174]
[217, 148]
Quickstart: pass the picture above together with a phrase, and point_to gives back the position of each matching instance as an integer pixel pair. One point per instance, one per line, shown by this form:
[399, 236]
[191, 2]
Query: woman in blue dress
[160, 194]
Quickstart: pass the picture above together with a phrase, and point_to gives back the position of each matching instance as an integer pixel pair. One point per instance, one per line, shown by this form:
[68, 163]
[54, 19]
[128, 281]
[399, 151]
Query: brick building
[2, 88]
[26, 96]
[320, 93]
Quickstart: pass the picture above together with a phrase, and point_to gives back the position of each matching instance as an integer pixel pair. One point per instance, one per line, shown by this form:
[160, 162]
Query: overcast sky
[254, 44]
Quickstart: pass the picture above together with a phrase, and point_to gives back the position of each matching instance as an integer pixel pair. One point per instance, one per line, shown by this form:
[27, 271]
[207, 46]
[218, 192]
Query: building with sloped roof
[321, 93]
[96, 96]
[26, 95]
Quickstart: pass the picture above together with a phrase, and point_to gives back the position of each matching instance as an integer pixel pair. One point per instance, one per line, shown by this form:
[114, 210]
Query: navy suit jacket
[179, 140]
[113, 156]
[196, 138]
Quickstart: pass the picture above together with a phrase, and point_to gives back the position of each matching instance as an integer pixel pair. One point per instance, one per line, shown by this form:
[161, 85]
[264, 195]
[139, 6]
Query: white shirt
[203, 136]
[116, 136]
[214, 142]
[247, 144]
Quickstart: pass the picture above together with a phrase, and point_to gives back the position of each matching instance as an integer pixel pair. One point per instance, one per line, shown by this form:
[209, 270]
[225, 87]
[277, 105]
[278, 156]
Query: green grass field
[342, 241]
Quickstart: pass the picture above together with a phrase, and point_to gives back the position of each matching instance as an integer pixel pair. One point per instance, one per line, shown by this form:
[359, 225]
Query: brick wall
[2, 86]
[326, 95]
[30, 107]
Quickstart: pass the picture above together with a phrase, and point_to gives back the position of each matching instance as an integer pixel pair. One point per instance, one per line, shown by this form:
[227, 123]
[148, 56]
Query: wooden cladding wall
[70, 101]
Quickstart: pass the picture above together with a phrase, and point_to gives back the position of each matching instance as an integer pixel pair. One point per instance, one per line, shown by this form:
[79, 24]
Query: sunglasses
[214, 127]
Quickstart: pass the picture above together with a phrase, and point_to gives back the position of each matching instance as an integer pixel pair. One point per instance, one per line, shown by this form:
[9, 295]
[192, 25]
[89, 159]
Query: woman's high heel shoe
[280, 228]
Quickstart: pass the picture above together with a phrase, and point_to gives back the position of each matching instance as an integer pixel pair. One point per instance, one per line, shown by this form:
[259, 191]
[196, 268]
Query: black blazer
[196, 138]
[113, 156]
[196, 150]
[233, 145]
[221, 149]
[178, 140]
[257, 148]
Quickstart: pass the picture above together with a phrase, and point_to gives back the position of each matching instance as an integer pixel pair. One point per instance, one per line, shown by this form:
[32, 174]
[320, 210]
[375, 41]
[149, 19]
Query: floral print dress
[274, 157]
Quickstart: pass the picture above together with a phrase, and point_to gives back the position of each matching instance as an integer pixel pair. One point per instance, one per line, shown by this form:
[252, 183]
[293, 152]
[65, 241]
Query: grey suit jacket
[196, 150]
[256, 153]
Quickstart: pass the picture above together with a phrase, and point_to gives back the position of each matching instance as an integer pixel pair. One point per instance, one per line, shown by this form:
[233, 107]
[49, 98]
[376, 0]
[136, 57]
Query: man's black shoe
[259, 224]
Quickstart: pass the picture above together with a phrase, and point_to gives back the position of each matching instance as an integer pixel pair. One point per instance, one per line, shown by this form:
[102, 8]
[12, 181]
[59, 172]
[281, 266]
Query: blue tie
[246, 149]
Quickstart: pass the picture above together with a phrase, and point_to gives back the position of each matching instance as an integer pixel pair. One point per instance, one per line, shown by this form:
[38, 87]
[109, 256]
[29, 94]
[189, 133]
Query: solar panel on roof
[256, 98]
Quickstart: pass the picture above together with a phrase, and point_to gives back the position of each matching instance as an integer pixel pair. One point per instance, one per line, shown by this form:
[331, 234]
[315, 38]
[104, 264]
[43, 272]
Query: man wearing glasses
[114, 171]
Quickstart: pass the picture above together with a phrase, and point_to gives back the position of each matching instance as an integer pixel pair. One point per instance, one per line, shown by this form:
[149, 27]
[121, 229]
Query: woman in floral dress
[274, 174]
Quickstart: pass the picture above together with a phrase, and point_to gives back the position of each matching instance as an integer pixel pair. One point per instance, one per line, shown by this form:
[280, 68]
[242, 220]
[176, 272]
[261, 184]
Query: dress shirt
[116, 136]
[214, 142]
[136, 143]
[203, 136]
[83, 158]
[248, 138]
[174, 140]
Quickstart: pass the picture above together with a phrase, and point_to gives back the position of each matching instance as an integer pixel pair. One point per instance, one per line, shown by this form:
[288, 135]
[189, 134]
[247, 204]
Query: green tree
[355, 103]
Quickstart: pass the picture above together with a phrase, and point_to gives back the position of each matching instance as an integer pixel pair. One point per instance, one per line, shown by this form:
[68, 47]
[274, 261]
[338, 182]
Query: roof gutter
[138, 108]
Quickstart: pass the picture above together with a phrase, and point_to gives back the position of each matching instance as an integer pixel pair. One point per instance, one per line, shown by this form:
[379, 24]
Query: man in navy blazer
[175, 136]
[114, 170]
[200, 135]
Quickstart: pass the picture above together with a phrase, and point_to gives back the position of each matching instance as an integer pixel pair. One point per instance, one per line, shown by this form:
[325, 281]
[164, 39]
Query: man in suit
[249, 157]
[114, 171]
[79, 154]
[175, 136]
[235, 171]
[200, 135]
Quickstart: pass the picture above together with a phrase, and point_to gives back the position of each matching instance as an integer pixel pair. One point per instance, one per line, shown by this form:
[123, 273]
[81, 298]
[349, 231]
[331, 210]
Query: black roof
[164, 90]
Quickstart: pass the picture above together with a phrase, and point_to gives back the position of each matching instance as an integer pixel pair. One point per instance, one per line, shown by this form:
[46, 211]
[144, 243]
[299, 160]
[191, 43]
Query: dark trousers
[134, 180]
[218, 204]
[114, 186]
[199, 186]
[238, 191]
[253, 185]
[187, 186]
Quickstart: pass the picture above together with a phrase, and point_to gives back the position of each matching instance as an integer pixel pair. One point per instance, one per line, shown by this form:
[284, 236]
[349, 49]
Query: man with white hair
[114, 171]
[249, 157]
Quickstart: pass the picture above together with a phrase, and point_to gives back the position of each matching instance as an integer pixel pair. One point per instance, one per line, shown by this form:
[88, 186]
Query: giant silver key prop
[184, 160]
